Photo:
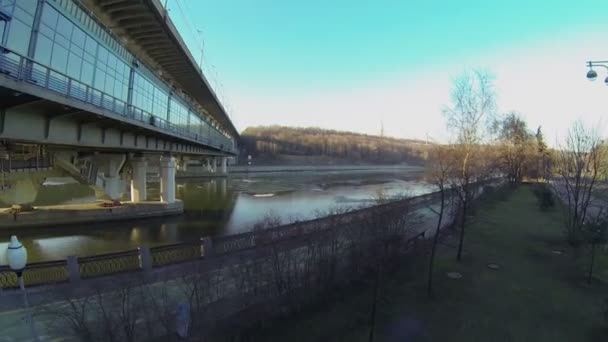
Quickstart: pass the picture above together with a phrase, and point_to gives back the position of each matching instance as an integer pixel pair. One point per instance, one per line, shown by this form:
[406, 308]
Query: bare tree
[439, 169]
[473, 109]
[543, 151]
[595, 232]
[516, 146]
[578, 166]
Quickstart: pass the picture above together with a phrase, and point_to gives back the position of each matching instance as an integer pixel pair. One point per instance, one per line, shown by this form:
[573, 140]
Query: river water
[216, 207]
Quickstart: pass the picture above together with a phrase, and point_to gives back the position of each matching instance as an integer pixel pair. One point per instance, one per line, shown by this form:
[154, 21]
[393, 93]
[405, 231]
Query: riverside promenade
[235, 272]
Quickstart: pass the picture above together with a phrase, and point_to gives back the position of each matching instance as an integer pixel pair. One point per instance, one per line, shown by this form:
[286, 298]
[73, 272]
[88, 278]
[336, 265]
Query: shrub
[544, 195]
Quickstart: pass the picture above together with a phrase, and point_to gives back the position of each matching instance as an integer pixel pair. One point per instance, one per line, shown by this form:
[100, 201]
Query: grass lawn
[601, 193]
[536, 295]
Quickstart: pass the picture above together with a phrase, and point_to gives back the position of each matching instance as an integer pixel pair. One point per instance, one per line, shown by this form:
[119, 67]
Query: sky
[357, 65]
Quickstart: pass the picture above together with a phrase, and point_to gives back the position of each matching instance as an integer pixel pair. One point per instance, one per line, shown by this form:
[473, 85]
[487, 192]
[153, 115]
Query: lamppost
[16, 255]
[202, 41]
[592, 74]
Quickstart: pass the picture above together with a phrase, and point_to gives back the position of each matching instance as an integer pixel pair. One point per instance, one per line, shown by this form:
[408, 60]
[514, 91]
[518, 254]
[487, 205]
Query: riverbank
[323, 168]
[536, 294]
[172, 269]
[44, 216]
[213, 207]
[273, 180]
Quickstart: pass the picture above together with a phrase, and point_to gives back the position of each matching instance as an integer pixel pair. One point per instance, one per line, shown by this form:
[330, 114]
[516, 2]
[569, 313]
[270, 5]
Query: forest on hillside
[271, 143]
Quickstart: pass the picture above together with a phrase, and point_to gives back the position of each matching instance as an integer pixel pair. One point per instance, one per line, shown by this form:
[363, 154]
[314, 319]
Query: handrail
[25, 66]
[104, 256]
[96, 264]
[353, 212]
[40, 264]
[175, 245]
[421, 199]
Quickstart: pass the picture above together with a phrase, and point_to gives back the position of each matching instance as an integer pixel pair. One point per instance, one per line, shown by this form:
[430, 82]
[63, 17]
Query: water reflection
[212, 207]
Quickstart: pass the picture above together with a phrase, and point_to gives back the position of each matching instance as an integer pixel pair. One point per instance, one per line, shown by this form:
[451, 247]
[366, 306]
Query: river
[216, 207]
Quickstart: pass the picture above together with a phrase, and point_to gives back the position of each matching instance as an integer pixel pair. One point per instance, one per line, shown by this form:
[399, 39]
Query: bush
[544, 195]
[496, 192]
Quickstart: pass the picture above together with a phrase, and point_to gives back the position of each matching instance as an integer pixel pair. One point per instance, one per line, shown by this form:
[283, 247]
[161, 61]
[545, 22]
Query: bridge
[104, 89]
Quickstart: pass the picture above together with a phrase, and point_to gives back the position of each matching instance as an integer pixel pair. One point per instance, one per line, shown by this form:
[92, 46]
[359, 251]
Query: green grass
[601, 193]
[536, 295]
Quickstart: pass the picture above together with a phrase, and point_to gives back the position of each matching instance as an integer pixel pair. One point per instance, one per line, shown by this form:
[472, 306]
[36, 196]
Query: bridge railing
[10, 165]
[24, 69]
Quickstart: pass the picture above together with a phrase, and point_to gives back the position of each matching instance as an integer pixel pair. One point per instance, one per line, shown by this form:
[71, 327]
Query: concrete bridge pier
[167, 178]
[182, 164]
[223, 187]
[109, 179]
[225, 165]
[214, 164]
[213, 185]
[139, 165]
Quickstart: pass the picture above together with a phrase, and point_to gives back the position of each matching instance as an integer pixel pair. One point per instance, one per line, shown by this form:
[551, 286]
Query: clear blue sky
[335, 64]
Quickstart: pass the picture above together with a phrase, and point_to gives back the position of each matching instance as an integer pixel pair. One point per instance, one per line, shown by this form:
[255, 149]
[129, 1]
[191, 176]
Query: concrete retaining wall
[85, 213]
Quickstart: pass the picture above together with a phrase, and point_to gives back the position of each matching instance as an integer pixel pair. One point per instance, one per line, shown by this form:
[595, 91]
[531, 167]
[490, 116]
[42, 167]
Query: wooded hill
[269, 144]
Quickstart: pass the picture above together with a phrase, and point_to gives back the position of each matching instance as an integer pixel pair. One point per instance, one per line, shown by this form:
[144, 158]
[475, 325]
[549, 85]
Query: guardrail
[39, 273]
[145, 258]
[104, 264]
[176, 253]
[10, 165]
[25, 69]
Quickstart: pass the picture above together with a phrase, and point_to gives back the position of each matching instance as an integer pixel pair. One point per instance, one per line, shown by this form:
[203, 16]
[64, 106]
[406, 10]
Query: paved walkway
[14, 327]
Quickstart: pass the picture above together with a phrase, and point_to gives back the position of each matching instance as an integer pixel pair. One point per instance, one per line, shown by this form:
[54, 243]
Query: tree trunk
[429, 289]
[462, 224]
[374, 303]
[592, 261]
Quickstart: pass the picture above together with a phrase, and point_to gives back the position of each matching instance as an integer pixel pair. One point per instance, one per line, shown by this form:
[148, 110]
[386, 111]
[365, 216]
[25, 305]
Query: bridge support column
[223, 187]
[182, 165]
[214, 165]
[225, 165]
[111, 164]
[138, 179]
[167, 179]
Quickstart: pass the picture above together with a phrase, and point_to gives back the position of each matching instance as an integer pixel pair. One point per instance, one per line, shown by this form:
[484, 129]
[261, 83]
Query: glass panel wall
[149, 97]
[196, 123]
[68, 49]
[74, 44]
[179, 114]
[17, 31]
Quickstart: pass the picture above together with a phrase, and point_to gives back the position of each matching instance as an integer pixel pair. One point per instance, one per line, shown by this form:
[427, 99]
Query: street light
[202, 42]
[592, 74]
[16, 255]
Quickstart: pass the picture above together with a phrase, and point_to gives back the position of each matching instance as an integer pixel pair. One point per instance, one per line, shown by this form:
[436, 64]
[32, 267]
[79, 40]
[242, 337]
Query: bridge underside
[31, 119]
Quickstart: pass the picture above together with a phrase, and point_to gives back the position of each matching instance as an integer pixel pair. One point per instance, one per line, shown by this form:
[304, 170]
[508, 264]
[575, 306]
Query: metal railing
[232, 243]
[24, 69]
[39, 273]
[176, 253]
[104, 264]
[145, 258]
[9, 165]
